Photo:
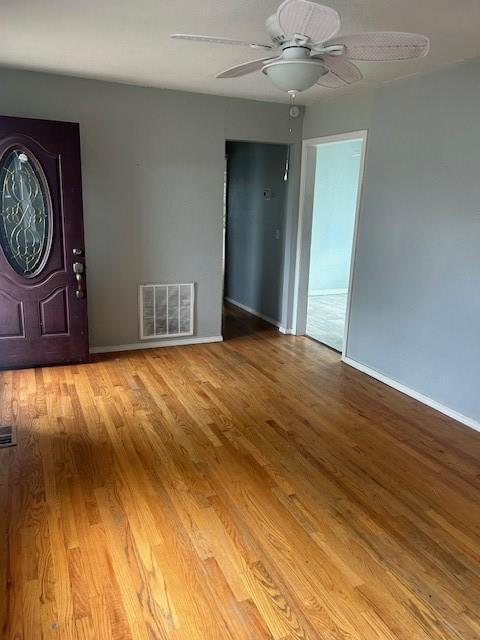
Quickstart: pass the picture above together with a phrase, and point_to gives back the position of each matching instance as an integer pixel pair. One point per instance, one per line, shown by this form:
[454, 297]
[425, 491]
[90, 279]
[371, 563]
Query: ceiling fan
[308, 50]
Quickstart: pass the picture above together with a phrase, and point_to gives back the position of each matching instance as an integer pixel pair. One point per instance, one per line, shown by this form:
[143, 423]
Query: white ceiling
[128, 40]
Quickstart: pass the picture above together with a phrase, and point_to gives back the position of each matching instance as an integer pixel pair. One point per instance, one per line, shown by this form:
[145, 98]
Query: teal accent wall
[334, 204]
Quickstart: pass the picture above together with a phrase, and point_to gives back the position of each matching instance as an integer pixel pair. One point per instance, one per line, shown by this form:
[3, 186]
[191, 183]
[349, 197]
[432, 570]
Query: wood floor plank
[258, 489]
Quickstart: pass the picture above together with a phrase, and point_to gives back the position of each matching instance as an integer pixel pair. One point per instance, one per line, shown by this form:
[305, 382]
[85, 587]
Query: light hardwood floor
[249, 490]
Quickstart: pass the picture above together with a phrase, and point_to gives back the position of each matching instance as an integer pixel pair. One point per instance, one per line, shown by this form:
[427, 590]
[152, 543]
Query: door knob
[79, 270]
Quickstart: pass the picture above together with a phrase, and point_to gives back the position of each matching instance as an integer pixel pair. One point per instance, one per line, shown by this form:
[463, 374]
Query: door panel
[11, 317]
[43, 317]
[54, 313]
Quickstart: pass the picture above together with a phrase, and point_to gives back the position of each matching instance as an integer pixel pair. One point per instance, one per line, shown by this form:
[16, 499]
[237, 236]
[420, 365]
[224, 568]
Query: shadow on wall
[255, 226]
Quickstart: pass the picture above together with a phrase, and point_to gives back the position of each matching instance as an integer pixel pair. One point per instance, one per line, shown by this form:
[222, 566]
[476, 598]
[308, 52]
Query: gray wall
[416, 292]
[255, 233]
[153, 164]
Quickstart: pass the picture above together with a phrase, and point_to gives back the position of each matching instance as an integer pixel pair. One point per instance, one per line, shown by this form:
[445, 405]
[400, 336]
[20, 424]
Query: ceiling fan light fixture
[294, 75]
[295, 71]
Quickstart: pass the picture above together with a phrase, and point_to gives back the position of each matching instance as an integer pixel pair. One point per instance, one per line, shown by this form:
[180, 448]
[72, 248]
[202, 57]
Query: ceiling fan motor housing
[274, 30]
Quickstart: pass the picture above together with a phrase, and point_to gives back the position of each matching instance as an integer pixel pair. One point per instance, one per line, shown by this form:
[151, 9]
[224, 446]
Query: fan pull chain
[287, 162]
[293, 95]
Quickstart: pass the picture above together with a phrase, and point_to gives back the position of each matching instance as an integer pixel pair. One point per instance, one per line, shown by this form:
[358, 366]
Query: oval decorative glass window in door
[24, 213]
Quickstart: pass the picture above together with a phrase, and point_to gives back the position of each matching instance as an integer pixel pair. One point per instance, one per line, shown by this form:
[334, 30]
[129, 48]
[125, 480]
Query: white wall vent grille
[166, 310]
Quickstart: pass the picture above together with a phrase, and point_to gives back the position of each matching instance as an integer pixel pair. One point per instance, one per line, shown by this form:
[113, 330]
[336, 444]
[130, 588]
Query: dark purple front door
[43, 305]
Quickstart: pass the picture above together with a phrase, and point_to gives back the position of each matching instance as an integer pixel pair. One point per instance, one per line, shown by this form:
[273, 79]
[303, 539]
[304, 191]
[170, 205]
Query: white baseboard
[155, 345]
[253, 312]
[327, 292]
[286, 331]
[451, 413]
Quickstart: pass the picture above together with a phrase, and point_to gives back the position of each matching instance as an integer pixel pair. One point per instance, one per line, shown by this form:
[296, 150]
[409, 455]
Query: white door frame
[304, 233]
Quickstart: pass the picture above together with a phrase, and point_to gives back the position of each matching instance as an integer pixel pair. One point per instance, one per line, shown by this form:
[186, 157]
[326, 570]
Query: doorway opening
[255, 203]
[331, 182]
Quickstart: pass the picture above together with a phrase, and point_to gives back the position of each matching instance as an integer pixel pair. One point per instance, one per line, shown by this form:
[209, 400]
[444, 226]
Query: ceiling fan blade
[383, 45]
[341, 73]
[220, 40]
[245, 68]
[308, 19]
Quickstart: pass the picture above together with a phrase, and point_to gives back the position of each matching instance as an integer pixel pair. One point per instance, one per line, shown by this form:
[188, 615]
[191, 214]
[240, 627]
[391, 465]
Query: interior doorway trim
[304, 231]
